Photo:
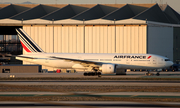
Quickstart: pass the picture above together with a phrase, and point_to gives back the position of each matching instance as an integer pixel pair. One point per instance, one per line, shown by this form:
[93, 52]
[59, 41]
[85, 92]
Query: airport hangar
[92, 28]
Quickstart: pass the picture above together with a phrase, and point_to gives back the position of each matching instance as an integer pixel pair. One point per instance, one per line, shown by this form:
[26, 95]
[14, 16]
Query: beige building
[98, 28]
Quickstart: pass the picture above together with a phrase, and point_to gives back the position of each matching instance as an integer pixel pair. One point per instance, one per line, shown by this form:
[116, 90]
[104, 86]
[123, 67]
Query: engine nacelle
[108, 68]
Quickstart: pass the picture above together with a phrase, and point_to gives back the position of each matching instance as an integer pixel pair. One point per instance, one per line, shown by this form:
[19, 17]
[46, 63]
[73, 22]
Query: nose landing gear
[157, 74]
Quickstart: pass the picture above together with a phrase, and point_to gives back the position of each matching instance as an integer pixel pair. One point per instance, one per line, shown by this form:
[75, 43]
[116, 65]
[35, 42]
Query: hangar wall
[176, 45]
[89, 38]
[160, 41]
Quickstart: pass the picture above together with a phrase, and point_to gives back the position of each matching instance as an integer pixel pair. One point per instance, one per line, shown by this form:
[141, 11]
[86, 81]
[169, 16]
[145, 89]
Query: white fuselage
[124, 61]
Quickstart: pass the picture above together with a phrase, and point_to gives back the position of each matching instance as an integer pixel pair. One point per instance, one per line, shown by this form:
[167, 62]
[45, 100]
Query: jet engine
[108, 68]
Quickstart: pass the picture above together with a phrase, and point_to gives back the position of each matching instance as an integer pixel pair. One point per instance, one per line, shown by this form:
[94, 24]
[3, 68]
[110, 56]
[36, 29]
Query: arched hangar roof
[83, 13]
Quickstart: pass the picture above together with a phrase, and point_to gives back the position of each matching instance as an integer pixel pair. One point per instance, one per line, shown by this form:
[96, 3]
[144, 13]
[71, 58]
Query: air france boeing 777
[104, 63]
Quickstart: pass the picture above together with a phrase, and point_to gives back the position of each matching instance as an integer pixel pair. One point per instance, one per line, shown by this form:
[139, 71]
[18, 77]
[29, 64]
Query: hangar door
[89, 38]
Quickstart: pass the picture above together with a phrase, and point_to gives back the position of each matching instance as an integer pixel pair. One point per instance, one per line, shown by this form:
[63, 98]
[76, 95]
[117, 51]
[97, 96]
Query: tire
[93, 73]
[90, 73]
[96, 73]
[157, 74]
[85, 74]
[99, 73]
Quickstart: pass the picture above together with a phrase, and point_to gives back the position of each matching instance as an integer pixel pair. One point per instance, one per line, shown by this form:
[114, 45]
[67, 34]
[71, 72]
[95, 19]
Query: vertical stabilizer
[27, 43]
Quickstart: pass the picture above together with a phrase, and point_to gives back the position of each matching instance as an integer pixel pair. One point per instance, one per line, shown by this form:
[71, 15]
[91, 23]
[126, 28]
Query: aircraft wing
[9, 55]
[83, 62]
[26, 57]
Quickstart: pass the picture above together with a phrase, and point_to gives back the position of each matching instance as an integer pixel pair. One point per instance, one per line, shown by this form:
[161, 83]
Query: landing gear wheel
[92, 74]
[157, 74]
[99, 74]
[95, 73]
[85, 73]
[149, 74]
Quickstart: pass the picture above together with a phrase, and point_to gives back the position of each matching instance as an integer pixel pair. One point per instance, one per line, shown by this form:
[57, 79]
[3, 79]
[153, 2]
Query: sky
[173, 3]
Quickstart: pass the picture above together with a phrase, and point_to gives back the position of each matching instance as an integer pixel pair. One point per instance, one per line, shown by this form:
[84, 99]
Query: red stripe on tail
[27, 50]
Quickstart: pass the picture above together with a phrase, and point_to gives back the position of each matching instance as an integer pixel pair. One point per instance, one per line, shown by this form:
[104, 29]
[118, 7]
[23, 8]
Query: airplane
[99, 63]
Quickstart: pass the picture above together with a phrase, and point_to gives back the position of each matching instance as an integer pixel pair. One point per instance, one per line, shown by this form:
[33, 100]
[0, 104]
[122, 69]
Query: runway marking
[134, 95]
[89, 95]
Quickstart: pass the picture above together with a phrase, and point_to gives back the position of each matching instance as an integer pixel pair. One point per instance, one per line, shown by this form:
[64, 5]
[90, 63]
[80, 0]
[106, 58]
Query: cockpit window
[167, 59]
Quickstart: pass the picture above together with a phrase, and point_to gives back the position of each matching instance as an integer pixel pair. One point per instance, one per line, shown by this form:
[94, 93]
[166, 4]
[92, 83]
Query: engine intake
[108, 68]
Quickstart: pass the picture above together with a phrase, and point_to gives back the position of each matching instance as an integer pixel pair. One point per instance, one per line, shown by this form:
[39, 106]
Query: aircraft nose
[170, 63]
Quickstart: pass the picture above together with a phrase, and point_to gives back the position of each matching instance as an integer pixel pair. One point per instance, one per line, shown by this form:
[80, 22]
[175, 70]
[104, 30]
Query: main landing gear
[150, 74]
[92, 74]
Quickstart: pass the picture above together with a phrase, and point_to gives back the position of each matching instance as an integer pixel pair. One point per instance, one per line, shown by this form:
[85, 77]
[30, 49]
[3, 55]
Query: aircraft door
[154, 60]
[160, 61]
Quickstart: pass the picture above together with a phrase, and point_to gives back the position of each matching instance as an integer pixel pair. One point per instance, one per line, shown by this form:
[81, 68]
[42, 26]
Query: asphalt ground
[93, 82]
[131, 79]
[80, 75]
[76, 90]
[89, 104]
[96, 94]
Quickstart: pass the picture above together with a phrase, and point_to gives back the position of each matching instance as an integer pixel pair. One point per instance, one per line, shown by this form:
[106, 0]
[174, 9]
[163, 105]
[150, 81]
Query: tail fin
[27, 43]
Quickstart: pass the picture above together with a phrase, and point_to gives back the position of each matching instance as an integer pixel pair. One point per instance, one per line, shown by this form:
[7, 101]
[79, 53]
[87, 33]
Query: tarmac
[91, 104]
[93, 82]
[80, 75]
[95, 94]
[88, 104]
